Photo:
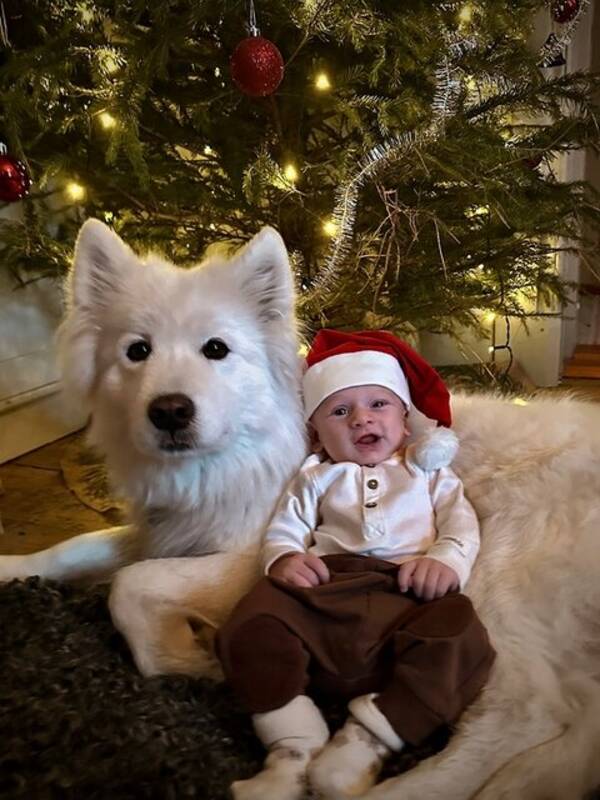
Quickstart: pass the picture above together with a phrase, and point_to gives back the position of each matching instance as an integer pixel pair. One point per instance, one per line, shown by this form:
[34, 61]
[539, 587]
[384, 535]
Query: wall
[31, 409]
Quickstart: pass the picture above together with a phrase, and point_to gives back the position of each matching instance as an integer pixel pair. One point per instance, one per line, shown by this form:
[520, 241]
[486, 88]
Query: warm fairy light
[490, 316]
[465, 15]
[75, 191]
[291, 173]
[322, 82]
[518, 401]
[110, 61]
[86, 13]
[491, 348]
[477, 211]
[329, 228]
[208, 151]
[107, 120]
[303, 350]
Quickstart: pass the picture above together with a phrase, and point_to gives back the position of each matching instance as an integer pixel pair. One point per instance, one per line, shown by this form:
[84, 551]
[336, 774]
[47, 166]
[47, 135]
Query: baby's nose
[361, 416]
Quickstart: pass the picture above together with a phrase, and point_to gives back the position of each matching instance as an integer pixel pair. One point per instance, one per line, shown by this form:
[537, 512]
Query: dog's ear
[101, 260]
[98, 266]
[266, 275]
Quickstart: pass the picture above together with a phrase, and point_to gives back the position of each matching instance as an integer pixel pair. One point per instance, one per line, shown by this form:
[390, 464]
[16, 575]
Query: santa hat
[339, 360]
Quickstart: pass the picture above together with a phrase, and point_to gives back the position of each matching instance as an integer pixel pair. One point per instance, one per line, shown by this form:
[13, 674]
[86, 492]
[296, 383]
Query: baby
[364, 559]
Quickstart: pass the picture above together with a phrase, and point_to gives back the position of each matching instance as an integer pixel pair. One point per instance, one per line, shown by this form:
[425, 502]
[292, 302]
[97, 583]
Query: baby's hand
[300, 569]
[427, 578]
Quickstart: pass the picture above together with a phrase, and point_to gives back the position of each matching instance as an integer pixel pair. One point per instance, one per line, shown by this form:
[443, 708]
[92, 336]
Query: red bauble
[532, 162]
[256, 66]
[565, 10]
[14, 180]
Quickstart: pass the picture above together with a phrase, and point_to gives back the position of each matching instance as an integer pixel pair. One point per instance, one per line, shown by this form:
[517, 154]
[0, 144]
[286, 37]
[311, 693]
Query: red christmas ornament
[532, 162]
[565, 10]
[14, 180]
[256, 66]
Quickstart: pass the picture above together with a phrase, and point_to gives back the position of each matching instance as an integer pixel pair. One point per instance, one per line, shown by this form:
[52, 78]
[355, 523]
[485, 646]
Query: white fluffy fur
[533, 474]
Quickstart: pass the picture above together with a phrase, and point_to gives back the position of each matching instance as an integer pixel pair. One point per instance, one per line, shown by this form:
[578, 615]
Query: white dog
[192, 380]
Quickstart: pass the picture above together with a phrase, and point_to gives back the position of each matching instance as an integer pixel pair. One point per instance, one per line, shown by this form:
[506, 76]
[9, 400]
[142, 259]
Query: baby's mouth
[369, 438]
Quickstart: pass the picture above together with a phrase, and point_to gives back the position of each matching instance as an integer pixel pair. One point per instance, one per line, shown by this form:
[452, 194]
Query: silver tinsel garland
[450, 80]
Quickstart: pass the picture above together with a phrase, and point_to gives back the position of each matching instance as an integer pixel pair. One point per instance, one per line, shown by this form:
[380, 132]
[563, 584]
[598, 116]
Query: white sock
[350, 764]
[292, 734]
[368, 714]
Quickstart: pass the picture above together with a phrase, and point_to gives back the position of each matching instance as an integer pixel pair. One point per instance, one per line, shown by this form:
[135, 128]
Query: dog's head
[175, 362]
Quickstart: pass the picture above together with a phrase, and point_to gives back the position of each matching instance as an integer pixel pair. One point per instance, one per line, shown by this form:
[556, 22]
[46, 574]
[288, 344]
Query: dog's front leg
[90, 557]
[168, 609]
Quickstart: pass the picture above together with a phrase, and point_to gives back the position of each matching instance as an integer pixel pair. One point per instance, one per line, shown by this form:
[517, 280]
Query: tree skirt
[78, 721]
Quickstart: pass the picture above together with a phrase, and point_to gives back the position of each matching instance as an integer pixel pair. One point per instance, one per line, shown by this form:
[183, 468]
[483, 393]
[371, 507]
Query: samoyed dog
[191, 378]
[192, 381]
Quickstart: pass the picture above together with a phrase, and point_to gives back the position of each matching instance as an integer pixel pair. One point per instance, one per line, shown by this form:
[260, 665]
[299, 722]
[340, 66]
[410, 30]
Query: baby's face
[363, 424]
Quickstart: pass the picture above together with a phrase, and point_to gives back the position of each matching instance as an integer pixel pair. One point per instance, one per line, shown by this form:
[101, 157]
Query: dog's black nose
[171, 412]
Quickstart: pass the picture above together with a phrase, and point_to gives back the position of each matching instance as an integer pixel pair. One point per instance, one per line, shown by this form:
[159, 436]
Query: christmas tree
[405, 151]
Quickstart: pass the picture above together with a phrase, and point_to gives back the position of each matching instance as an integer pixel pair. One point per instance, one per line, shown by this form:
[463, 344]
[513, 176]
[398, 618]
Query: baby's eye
[379, 403]
[340, 411]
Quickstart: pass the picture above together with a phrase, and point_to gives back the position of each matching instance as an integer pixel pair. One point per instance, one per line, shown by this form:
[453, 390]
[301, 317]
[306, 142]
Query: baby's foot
[283, 777]
[349, 765]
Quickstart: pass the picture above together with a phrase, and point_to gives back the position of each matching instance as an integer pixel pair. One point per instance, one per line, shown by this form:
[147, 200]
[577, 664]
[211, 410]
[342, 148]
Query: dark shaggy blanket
[78, 721]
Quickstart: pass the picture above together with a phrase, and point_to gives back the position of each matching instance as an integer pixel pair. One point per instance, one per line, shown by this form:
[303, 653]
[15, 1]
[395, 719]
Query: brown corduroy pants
[353, 635]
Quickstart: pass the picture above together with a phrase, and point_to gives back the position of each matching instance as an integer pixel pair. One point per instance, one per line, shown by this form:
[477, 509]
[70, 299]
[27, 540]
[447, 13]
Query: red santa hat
[339, 360]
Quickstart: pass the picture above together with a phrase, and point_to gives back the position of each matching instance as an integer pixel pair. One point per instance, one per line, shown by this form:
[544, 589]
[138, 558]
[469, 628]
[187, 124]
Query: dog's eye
[139, 351]
[215, 348]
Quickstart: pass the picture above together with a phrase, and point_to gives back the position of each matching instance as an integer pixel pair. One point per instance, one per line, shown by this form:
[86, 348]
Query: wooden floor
[37, 508]
[584, 363]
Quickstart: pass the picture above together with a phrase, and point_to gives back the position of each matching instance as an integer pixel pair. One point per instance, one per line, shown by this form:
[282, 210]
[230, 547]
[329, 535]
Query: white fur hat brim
[343, 371]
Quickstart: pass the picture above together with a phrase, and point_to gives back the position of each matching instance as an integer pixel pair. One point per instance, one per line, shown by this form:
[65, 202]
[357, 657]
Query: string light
[75, 190]
[518, 401]
[465, 15]
[86, 13]
[208, 151]
[322, 82]
[490, 316]
[110, 61]
[107, 120]
[303, 350]
[291, 173]
[477, 211]
[329, 228]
